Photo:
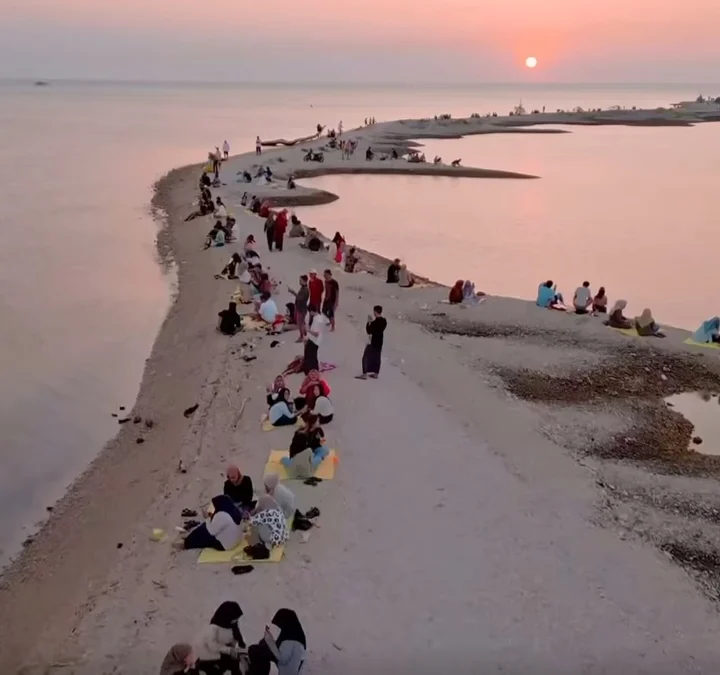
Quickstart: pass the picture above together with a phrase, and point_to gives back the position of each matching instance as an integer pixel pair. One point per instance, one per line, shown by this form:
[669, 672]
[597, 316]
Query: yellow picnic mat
[248, 323]
[267, 425]
[627, 331]
[326, 470]
[707, 345]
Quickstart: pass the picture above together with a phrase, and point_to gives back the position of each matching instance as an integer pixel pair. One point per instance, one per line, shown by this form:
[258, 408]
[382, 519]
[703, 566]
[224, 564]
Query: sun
[531, 62]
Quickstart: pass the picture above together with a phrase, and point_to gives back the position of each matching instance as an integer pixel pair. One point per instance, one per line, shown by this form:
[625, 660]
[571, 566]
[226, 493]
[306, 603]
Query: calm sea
[82, 293]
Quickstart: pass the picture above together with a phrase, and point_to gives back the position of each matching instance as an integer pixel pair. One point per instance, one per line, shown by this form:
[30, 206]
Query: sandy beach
[512, 492]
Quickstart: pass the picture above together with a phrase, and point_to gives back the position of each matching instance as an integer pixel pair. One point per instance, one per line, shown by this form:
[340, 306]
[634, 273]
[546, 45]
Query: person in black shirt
[375, 328]
[332, 298]
[230, 321]
[393, 273]
[239, 488]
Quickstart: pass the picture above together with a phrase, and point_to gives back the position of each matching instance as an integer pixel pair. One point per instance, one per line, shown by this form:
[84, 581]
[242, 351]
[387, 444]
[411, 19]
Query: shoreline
[82, 534]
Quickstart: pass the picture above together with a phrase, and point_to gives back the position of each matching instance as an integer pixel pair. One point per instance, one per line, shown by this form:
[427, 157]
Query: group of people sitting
[584, 302]
[463, 292]
[237, 515]
[220, 647]
[398, 273]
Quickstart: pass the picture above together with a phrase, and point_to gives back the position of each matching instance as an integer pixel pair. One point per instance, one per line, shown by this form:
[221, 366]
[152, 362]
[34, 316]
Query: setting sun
[531, 62]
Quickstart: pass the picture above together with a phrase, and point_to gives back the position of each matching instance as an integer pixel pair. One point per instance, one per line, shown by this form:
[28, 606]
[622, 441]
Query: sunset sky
[362, 41]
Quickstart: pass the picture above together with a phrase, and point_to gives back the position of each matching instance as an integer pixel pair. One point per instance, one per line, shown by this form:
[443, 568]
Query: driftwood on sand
[284, 141]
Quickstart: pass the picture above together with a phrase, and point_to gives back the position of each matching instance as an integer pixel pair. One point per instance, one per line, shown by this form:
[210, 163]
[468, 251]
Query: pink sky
[575, 40]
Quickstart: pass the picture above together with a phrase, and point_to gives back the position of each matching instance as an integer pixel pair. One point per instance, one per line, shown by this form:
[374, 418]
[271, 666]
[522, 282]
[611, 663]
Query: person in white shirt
[223, 532]
[268, 309]
[583, 298]
[220, 210]
[322, 407]
[258, 146]
[313, 339]
[226, 149]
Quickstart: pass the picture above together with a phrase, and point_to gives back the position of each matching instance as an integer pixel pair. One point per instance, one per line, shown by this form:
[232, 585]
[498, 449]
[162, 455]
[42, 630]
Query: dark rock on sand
[189, 411]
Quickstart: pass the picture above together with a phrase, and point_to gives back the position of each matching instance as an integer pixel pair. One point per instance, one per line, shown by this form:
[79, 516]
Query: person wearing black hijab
[230, 321]
[223, 532]
[287, 652]
[219, 644]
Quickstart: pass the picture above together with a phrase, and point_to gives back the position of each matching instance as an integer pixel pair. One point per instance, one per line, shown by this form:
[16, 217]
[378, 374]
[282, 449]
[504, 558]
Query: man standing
[226, 149]
[375, 328]
[332, 298]
[270, 230]
[258, 146]
[313, 340]
[302, 299]
[316, 289]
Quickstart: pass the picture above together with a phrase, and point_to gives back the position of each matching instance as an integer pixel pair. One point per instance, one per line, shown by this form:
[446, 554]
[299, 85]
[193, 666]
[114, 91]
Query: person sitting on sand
[219, 645]
[456, 163]
[268, 174]
[204, 181]
[394, 154]
[393, 271]
[281, 494]
[351, 260]
[321, 406]
[255, 204]
[456, 295]
[222, 532]
[469, 296]
[437, 160]
[645, 325]
[280, 414]
[179, 660]
[582, 298]
[708, 332]
[288, 652]
[268, 525]
[268, 312]
[216, 237]
[405, 278]
[247, 176]
[296, 228]
[249, 247]
[291, 182]
[220, 209]
[617, 319]
[239, 488]
[306, 395]
[307, 449]
[230, 321]
[230, 270]
[599, 305]
[548, 296]
[290, 316]
[244, 199]
[369, 154]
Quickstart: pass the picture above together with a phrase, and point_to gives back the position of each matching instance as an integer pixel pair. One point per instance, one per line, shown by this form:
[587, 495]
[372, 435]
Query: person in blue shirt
[548, 296]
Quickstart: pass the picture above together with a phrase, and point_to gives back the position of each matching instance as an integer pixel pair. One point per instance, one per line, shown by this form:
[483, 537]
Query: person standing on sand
[258, 146]
[340, 128]
[316, 288]
[332, 298]
[270, 230]
[281, 223]
[313, 339]
[372, 356]
[302, 299]
[226, 149]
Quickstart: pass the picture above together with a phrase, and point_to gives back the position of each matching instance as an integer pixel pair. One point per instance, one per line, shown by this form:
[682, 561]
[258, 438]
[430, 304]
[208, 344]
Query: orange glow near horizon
[569, 38]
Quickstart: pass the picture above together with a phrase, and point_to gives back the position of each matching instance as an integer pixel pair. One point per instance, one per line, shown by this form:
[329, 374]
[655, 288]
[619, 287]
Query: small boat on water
[42, 83]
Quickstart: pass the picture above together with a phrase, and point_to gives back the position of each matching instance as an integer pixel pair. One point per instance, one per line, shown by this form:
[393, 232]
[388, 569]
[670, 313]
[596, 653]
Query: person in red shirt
[281, 223]
[316, 287]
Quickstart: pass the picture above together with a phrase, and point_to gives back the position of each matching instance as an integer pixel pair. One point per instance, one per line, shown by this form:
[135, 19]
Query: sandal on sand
[313, 480]
[188, 513]
[242, 569]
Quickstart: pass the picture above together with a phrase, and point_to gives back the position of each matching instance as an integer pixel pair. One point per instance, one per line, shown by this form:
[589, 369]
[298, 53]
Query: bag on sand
[257, 552]
[300, 522]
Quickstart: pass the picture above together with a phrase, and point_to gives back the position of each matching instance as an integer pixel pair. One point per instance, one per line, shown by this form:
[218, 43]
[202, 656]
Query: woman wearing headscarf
[249, 247]
[645, 325]
[306, 396]
[281, 494]
[281, 223]
[230, 321]
[267, 524]
[219, 645]
[239, 488]
[280, 413]
[223, 531]
[617, 319]
[264, 211]
[351, 260]
[709, 331]
[307, 449]
[405, 278]
[180, 659]
[456, 293]
[290, 648]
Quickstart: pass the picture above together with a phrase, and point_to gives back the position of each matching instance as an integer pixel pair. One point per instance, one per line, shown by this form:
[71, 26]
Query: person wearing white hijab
[617, 319]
